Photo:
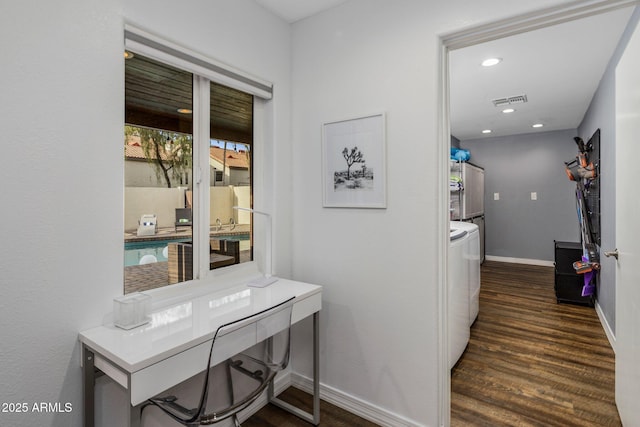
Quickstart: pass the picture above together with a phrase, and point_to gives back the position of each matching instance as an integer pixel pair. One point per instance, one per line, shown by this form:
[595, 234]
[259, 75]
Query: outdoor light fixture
[486, 131]
[508, 110]
[184, 111]
[537, 125]
[267, 279]
[128, 55]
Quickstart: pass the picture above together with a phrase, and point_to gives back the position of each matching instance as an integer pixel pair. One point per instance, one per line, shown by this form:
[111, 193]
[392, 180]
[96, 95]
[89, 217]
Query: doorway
[501, 29]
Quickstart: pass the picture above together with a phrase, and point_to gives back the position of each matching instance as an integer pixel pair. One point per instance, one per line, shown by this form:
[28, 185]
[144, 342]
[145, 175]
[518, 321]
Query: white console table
[174, 346]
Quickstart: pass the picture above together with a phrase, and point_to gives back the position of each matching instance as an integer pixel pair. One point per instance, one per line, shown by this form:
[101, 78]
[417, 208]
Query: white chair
[230, 386]
[147, 225]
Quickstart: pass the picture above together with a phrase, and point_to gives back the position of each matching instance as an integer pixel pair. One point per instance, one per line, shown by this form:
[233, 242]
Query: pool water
[134, 251]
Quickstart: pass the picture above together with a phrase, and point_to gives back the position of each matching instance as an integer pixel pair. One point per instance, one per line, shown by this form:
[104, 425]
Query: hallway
[531, 361]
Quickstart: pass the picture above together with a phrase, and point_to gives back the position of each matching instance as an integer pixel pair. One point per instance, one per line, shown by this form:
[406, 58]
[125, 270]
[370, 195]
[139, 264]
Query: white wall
[379, 322]
[61, 264]
[140, 173]
[62, 214]
[61, 261]
[160, 201]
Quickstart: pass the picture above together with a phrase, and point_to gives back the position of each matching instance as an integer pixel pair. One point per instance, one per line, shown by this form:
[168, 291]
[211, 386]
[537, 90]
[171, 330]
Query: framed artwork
[353, 163]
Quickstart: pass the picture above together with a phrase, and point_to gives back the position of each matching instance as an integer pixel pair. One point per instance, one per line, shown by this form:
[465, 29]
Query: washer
[458, 293]
[472, 259]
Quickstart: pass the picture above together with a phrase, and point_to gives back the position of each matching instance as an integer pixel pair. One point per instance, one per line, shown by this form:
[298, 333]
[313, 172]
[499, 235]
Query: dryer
[471, 255]
[458, 295]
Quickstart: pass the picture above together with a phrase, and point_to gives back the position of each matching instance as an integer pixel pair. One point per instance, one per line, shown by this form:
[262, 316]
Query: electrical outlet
[534, 195]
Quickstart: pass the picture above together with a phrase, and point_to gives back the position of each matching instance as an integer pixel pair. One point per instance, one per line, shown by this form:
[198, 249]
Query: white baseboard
[353, 404]
[336, 397]
[540, 262]
[607, 328]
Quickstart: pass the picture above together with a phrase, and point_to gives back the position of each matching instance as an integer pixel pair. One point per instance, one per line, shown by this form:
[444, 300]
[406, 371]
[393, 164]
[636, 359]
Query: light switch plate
[496, 196]
[534, 195]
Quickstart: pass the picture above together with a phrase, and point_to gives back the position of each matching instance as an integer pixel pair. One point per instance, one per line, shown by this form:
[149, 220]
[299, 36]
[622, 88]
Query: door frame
[457, 40]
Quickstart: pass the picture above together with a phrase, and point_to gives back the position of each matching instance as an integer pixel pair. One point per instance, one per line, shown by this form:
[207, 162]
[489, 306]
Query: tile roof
[235, 159]
[135, 152]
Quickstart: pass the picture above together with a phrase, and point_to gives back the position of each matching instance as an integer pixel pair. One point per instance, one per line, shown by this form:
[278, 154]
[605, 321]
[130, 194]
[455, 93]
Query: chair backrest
[257, 365]
[226, 247]
[245, 356]
[148, 219]
[183, 216]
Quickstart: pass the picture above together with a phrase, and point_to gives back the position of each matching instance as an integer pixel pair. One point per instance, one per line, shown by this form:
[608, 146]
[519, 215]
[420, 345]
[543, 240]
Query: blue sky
[230, 145]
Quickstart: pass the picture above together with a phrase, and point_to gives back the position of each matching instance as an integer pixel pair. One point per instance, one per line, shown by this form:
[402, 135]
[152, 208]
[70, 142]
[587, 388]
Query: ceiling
[295, 10]
[558, 68]
[155, 92]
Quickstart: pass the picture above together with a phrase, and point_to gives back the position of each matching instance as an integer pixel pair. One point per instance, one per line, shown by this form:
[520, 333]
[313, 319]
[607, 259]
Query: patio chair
[183, 218]
[233, 383]
[226, 247]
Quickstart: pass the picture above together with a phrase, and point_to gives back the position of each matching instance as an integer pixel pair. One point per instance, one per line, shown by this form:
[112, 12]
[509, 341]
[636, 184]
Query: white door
[628, 233]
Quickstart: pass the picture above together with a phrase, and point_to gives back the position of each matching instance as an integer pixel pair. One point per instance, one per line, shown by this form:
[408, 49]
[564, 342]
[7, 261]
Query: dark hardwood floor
[330, 415]
[531, 361]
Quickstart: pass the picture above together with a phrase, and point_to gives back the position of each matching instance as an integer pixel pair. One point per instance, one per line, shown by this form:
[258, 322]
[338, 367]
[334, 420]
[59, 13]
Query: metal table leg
[316, 368]
[89, 375]
[88, 386]
[313, 418]
[135, 415]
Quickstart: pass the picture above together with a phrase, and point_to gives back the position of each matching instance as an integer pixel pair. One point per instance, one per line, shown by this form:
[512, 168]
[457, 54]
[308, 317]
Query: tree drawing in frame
[361, 179]
[354, 163]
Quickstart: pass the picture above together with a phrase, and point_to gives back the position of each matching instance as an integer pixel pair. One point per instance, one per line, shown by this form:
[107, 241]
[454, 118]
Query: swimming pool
[134, 251]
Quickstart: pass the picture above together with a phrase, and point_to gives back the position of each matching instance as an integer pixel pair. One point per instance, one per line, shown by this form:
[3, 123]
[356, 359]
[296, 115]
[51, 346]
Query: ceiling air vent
[501, 102]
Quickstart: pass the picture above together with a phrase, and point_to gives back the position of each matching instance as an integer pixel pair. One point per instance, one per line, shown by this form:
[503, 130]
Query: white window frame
[206, 70]
[154, 47]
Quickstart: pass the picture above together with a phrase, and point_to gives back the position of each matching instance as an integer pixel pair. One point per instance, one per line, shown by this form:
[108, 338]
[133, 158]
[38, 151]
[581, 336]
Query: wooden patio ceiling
[154, 92]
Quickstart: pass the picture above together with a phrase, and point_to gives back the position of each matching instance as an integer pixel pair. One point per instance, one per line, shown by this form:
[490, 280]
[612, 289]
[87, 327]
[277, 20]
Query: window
[231, 138]
[165, 230]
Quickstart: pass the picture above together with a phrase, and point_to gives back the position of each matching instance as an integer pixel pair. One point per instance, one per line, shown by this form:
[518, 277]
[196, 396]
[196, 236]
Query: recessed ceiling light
[491, 62]
[486, 131]
[184, 111]
[508, 110]
[128, 55]
[537, 125]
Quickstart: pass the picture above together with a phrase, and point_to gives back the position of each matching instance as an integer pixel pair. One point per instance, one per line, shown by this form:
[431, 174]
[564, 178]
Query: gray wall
[515, 166]
[455, 142]
[601, 114]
